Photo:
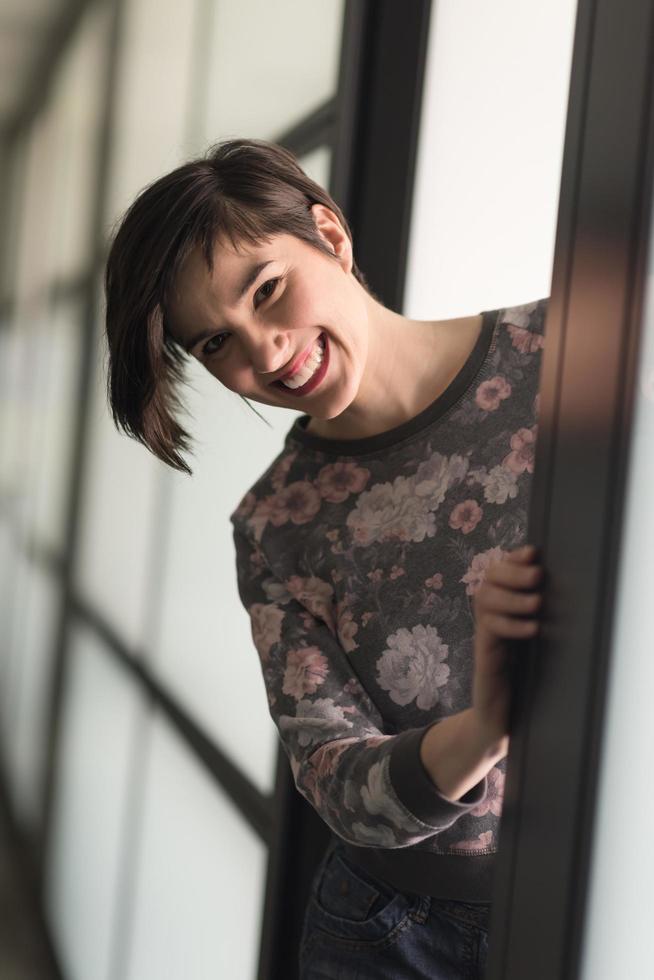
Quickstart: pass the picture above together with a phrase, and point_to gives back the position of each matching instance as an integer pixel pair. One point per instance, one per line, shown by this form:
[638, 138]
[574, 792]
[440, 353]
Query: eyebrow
[251, 276]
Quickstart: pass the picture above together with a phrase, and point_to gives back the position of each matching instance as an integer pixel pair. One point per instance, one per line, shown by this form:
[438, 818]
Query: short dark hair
[244, 189]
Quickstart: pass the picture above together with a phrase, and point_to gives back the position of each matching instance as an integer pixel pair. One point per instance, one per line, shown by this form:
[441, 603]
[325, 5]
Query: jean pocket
[354, 908]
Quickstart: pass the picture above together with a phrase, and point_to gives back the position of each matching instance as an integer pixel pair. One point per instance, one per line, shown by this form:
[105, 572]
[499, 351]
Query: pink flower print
[521, 457]
[494, 795]
[390, 511]
[435, 581]
[261, 515]
[478, 567]
[412, 667]
[524, 340]
[466, 516]
[491, 393]
[336, 481]
[314, 594]
[257, 560]
[308, 620]
[353, 686]
[396, 571]
[306, 670]
[481, 843]
[279, 474]
[266, 627]
[328, 756]
[366, 617]
[537, 403]
[347, 628]
[376, 575]
[311, 786]
[299, 502]
[332, 535]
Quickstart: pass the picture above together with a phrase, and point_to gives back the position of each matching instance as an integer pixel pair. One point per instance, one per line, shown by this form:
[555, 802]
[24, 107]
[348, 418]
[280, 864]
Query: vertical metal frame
[586, 402]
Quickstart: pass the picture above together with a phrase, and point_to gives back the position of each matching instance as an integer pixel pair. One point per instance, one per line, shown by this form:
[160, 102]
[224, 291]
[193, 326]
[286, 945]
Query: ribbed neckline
[383, 440]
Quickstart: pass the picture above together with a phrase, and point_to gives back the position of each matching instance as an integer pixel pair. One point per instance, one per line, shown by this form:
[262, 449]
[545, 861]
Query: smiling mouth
[315, 378]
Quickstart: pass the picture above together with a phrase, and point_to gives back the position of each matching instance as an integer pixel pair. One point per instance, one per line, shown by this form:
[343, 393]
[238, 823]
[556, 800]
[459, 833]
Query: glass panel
[33, 642]
[34, 264]
[15, 582]
[270, 65]
[118, 514]
[77, 92]
[200, 875]
[481, 236]
[22, 409]
[153, 97]
[99, 735]
[204, 649]
[617, 933]
[14, 408]
[317, 165]
[56, 340]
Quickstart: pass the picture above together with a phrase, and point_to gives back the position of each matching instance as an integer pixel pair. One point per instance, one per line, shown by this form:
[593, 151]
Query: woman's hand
[506, 606]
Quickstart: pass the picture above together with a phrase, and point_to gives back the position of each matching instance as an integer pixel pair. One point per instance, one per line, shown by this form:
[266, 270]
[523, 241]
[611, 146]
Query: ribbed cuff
[417, 791]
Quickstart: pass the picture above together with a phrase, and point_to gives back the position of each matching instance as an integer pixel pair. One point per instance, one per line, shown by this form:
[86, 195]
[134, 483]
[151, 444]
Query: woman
[380, 555]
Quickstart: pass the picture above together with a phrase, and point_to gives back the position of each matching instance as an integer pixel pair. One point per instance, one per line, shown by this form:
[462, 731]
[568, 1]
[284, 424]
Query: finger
[508, 628]
[528, 552]
[513, 575]
[509, 602]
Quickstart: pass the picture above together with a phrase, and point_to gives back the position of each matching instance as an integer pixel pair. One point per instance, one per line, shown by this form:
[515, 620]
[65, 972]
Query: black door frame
[586, 405]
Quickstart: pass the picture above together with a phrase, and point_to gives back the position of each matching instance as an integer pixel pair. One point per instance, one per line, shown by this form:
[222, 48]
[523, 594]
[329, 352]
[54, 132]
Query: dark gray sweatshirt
[357, 562]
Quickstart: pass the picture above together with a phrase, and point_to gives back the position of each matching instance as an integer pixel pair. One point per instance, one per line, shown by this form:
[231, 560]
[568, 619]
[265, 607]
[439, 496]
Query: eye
[206, 350]
[267, 293]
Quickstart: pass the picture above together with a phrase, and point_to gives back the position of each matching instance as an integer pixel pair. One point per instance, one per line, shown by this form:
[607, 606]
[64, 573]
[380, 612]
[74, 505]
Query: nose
[269, 349]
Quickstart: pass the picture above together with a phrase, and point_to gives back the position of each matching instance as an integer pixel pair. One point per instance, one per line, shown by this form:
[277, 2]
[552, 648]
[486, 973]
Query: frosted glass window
[13, 173]
[31, 692]
[200, 875]
[494, 110]
[99, 735]
[153, 97]
[15, 581]
[13, 408]
[33, 258]
[118, 518]
[317, 165]
[77, 97]
[58, 340]
[270, 64]
[23, 408]
[204, 649]
[7, 603]
[618, 929]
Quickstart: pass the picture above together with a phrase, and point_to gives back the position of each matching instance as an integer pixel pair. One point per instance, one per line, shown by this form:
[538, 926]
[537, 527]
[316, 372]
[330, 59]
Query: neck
[408, 364]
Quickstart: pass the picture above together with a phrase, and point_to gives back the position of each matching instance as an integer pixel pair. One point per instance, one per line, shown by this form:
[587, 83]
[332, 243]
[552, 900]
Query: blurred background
[144, 804]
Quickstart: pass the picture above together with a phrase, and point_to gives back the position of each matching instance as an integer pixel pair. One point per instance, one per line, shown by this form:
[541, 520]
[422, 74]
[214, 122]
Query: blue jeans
[357, 927]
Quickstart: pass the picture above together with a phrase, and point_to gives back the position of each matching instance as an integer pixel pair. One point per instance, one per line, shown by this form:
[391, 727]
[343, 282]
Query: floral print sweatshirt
[357, 561]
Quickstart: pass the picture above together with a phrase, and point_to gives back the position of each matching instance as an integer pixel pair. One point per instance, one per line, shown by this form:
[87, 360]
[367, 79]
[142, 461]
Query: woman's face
[264, 307]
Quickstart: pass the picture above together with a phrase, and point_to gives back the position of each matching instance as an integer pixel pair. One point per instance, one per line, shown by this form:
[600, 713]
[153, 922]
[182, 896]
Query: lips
[297, 363]
[314, 381]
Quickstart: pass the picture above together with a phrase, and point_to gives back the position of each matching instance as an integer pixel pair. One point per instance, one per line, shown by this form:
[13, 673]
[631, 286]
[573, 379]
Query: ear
[331, 230]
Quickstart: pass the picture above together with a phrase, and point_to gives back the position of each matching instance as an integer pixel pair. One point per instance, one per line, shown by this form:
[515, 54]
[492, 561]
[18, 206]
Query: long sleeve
[369, 786]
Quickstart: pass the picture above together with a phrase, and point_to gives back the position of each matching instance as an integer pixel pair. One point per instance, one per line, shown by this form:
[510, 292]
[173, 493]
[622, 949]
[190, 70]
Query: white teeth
[309, 367]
